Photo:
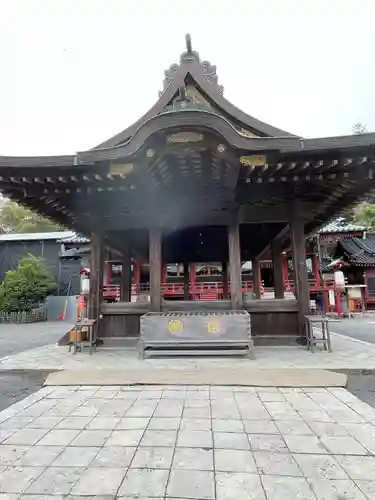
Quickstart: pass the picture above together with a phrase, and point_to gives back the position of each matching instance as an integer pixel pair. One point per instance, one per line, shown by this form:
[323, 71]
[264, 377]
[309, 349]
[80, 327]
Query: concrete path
[359, 327]
[224, 443]
[347, 354]
[239, 376]
[19, 338]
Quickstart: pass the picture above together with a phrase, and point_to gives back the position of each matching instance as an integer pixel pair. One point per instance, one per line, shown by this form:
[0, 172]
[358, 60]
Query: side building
[48, 246]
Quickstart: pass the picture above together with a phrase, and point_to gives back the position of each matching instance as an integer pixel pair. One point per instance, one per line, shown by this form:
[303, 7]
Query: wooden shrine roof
[201, 82]
[193, 160]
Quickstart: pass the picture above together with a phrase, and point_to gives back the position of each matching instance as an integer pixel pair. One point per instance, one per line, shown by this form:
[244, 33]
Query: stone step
[238, 376]
[120, 341]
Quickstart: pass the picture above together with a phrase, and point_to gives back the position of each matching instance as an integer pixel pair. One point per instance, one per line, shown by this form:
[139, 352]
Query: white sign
[85, 285]
[339, 279]
[331, 297]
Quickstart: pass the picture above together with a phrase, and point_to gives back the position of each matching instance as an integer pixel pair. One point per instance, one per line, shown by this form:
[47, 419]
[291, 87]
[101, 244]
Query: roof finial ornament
[189, 49]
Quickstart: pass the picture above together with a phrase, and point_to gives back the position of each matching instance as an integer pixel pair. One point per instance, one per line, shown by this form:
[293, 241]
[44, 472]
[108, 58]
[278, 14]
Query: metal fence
[34, 316]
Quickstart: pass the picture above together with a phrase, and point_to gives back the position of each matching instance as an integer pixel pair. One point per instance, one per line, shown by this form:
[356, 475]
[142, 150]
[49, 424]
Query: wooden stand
[325, 339]
[79, 343]
[155, 269]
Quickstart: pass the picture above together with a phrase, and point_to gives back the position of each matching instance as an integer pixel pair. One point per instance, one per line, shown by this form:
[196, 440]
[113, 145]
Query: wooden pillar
[164, 273]
[235, 264]
[186, 281]
[256, 278]
[285, 271]
[126, 277]
[277, 261]
[224, 267]
[96, 275]
[155, 268]
[108, 268]
[316, 268]
[137, 275]
[301, 282]
[192, 275]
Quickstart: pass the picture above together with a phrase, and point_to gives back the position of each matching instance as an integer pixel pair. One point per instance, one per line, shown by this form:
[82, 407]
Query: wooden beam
[96, 276]
[301, 283]
[277, 261]
[141, 218]
[224, 267]
[155, 236]
[280, 237]
[256, 278]
[186, 281]
[126, 276]
[235, 263]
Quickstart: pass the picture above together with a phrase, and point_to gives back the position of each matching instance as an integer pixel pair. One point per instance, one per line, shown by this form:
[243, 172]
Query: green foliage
[15, 218]
[26, 288]
[364, 214]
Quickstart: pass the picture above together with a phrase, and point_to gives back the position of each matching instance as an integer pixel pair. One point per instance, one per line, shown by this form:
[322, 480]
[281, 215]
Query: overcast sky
[76, 72]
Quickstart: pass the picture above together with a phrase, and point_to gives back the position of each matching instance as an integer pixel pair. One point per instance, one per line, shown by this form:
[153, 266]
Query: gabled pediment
[194, 83]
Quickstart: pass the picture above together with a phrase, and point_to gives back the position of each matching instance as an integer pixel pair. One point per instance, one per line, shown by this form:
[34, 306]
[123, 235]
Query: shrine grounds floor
[348, 354]
[24, 372]
[188, 442]
[194, 442]
[14, 339]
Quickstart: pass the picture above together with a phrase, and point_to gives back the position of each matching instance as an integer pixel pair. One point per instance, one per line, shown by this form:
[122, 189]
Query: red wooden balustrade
[198, 291]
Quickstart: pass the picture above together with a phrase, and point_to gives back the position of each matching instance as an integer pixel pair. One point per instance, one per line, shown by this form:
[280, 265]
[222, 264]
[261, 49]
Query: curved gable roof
[204, 77]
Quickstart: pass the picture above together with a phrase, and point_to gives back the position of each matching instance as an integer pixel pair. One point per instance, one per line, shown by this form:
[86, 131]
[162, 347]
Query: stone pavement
[347, 354]
[157, 442]
[17, 338]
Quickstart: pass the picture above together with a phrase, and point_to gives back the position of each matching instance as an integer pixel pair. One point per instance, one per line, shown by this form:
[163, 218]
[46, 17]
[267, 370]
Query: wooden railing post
[96, 276]
[301, 283]
[155, 268]
[235, 263]
[277, 262]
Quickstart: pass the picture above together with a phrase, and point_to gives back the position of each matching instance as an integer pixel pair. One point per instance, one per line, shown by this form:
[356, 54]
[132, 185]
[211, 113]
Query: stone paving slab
[347, 354]
[225, 376]
[144, 442]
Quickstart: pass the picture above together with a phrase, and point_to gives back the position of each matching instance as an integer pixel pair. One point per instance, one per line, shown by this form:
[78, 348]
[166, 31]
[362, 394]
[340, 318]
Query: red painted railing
[198, 291]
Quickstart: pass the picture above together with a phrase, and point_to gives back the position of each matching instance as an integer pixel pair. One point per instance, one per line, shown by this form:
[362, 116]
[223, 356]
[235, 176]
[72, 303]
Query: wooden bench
[325, 339]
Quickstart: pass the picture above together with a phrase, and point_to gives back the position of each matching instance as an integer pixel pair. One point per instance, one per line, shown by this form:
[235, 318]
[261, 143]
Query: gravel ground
[363, 386]
[19, 338]
[16, 385]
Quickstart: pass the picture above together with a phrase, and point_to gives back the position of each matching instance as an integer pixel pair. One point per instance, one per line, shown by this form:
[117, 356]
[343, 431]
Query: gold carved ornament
[175, 326]
[248, 133]
[121, 168]
[184, 137]
[253, 160]
[213, 326]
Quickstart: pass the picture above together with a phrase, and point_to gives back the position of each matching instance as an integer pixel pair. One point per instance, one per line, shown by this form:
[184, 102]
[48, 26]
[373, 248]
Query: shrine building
[197, 180]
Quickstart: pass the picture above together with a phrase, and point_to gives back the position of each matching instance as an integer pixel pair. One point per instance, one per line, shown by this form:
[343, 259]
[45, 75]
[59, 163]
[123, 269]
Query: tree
[359, 128]
[27, 287]
[364, 214]
[15, 218]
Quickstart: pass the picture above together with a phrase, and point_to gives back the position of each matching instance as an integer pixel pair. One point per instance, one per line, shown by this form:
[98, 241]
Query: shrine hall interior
[195, 179]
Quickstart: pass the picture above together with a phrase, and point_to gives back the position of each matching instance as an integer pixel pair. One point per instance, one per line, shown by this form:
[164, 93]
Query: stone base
[222, 376]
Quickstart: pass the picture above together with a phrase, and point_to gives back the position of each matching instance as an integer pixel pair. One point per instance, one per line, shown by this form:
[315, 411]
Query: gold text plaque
[253, 160]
